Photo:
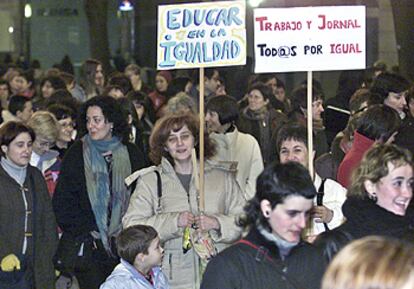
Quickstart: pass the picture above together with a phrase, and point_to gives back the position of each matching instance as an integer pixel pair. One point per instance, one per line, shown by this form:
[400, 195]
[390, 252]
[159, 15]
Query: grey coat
[12, 216]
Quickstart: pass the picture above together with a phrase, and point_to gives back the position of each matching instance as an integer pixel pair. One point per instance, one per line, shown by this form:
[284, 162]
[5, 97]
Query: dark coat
[263, 127]
[405, 136]
[71, 203]
[365, 218]
[12, 216]
[242, 266]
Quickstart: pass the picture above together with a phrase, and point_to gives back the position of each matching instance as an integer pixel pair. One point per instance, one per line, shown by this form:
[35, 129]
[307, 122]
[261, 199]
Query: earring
[373, 197]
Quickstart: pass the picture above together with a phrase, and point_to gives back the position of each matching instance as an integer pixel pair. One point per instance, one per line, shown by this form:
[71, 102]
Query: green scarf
[97, 184]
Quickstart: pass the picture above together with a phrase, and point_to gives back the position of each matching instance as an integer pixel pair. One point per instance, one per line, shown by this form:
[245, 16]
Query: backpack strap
[319, 198]
[159, 190]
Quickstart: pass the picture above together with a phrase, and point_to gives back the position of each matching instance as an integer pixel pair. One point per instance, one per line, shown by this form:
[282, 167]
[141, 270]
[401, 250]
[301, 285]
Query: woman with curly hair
[91, 196]
[377, 200]
[167, 198]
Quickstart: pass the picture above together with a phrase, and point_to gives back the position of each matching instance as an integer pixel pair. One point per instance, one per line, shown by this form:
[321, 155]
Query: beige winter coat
[245, 150]
[223, 199]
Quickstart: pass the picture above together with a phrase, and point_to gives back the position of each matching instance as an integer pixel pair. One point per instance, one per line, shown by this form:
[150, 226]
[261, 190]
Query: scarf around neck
[18, 173]
[99, 185]
[365, 217]
[260, 114]
[284, 246]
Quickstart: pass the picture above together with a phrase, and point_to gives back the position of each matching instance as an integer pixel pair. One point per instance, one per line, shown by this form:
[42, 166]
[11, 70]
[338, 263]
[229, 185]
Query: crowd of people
[100, 181]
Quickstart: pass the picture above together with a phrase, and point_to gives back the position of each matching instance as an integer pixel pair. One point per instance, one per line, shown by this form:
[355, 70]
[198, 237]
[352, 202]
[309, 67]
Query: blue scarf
[98, 184]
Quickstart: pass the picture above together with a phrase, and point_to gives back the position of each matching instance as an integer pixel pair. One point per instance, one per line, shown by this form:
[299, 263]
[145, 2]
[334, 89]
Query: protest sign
[309, 38]
[201, 35]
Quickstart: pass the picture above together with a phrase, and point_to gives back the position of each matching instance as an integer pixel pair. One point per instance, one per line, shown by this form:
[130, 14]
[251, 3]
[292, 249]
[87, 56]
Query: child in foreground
[141, 255]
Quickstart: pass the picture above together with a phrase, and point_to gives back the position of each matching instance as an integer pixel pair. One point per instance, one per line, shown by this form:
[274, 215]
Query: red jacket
[353, 158]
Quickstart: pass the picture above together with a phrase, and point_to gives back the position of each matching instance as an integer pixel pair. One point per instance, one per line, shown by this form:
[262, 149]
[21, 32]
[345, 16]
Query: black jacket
[12, 223]
[365, 218]
[405, 136]
[71, 201]
[244, 266]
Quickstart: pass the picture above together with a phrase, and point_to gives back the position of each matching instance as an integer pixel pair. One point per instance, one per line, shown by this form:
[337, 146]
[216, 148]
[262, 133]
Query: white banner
[201, 35]
[309, 38]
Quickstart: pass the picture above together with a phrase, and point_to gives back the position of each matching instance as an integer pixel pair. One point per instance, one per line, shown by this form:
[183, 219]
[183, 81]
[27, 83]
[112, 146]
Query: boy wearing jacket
[141, 255]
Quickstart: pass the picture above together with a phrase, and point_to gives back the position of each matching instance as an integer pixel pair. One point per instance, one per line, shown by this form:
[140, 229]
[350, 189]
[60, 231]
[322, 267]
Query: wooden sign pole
[201, 139]
[310, 125]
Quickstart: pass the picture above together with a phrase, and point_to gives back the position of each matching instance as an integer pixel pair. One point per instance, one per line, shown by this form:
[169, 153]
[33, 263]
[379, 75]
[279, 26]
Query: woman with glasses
[65, 117]
[170, 202]
[46, 128]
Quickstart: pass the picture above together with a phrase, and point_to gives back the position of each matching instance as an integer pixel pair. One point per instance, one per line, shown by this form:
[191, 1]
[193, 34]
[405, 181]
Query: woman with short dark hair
[28, 229]
[272, 255]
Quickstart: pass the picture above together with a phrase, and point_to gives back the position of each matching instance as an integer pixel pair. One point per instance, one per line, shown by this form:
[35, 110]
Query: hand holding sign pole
[199, 35]
[309, 39]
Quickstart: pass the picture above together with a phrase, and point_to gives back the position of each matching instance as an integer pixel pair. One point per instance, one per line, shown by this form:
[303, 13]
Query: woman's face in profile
[394, 191]
[288, 219]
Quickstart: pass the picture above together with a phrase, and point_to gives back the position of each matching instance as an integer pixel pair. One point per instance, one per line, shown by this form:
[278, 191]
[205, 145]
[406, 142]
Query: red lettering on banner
[261, 20]
[337, 24]
[278, 26]
[345, 48]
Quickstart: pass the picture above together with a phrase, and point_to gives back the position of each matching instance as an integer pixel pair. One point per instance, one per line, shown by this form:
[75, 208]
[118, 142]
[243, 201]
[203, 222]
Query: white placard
[309, 38]
[201, 35]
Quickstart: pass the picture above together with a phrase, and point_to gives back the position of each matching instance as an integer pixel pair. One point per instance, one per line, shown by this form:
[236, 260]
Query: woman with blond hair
[372, 262]
[46, 128]
[377, 201]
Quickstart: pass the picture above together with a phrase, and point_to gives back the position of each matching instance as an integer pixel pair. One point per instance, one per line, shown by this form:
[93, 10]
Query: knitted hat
[166, 74]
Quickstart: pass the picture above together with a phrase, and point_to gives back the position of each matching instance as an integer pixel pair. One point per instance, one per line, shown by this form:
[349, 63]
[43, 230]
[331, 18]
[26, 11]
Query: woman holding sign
[167, 198]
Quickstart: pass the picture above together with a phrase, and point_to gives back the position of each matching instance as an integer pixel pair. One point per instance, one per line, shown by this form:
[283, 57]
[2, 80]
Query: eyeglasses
[44, 143]
[67, 125]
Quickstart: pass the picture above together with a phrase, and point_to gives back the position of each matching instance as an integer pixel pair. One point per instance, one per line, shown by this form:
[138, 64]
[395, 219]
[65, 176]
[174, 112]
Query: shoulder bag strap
[262, 251]
[319, 199]
[159, 191]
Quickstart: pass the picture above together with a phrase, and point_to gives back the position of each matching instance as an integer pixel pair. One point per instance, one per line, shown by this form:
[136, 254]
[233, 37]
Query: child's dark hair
[134, 240]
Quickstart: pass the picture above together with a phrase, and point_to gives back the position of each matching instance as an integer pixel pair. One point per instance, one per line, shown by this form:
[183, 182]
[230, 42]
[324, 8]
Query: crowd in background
[84, 157]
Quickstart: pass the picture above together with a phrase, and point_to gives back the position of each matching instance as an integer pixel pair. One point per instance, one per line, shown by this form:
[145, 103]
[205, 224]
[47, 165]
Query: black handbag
[66, 254]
